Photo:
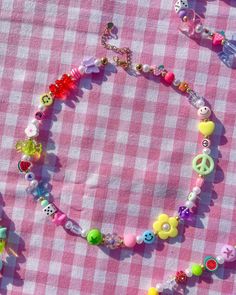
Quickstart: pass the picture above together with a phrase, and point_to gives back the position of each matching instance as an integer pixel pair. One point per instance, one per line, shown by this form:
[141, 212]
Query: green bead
[203, 164]
[3, 233]
[44, 203]
[197, 270]
[94, 237]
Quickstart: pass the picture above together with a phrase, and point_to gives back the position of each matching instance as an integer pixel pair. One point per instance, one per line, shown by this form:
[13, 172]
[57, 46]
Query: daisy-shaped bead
[165, 227]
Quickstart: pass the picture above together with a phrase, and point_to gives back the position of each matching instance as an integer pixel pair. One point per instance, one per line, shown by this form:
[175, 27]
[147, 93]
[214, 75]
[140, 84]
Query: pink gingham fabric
[119, 153]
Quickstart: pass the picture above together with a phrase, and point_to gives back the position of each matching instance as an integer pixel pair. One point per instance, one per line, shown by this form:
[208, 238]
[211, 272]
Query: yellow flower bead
[152, 291]
[166, 227]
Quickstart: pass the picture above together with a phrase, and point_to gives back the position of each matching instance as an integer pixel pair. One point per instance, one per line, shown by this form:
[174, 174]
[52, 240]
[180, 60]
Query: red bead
[181, 277]
[53, 88]
[169, 77]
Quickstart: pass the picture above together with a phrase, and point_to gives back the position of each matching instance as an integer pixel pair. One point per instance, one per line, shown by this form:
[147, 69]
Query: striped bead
[75, 73]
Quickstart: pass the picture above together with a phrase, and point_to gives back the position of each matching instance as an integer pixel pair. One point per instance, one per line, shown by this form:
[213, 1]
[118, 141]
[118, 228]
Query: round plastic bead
[206, 151]
[197, 190]
[199, 28]
[41, 107]
[189, 204]
[152, 291]
[159, 287]
[81, 69]
[176, 82]
[44, 203]
[34, 183]
[188, 273]
[220, 259]
[97, 62]
[84, 233]
[139, 239]
[196, 270]
[146, 68]
[29, 176]
[192, 197]
[94, 237]
[129, 240]
[169, 78]
[25, 158]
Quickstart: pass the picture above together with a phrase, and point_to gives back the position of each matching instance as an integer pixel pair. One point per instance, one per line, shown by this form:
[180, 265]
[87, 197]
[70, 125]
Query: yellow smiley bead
[206, 128]
[152, 291]
[46, 99]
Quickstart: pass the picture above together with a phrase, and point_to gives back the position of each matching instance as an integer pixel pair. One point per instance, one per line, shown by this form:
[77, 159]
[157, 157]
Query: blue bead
[228, 55]
[148, 237]
[41, 190]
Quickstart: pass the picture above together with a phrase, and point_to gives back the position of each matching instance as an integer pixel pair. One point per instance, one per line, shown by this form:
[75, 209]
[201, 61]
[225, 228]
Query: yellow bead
[152, 291]
[2, 245]
[46, 99]
[206, 128]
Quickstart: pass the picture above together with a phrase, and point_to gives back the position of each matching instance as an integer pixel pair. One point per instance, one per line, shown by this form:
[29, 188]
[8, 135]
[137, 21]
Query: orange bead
[183, 86]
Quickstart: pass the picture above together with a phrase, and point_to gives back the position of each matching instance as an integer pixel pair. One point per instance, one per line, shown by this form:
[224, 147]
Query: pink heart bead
[59, 218]
[129, 240]
[217, 39]
[228, 252]
[169, 77]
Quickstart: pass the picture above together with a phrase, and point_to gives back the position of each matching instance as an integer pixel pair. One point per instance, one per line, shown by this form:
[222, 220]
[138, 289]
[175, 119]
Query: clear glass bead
[195, 100]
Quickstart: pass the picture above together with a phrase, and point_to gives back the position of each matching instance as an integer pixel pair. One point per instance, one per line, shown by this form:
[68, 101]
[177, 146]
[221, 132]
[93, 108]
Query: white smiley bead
[31, 130]
[204, 113]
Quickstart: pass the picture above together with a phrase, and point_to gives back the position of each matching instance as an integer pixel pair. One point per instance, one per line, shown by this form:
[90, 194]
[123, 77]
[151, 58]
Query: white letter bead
[50, 209]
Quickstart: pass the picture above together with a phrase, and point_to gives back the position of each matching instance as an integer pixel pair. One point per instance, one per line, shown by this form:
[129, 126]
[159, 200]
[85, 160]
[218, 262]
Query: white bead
[25, 158]
[97, 62]
[188, 273]
[139, 239]
[206, 151]
[181, 4]
[81, 69]
[159, 288]
[220, 259]
[197, 190]
[199, 28]
[176, 82]
[146, 68]
[34, 183]
[41, 107]
[35, 122]
[189, 204]
[84, 233]
[192, 197]
[29, 176]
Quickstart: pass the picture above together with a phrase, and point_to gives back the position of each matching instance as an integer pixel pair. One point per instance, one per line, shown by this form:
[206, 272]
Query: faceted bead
[194, 99]
[228, 55]
[183, 86]
[181, 277]
[75, 73]
[112, 241]
[184, 212]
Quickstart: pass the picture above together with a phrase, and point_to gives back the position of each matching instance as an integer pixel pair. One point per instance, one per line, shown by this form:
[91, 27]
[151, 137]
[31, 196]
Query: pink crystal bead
[199, 181]
[75, 73]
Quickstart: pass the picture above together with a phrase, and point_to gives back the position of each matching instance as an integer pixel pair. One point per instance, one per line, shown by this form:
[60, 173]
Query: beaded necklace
[164, 226]
[192, 26]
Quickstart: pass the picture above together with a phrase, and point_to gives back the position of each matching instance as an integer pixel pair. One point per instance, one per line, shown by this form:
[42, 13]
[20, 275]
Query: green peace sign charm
[203, 164]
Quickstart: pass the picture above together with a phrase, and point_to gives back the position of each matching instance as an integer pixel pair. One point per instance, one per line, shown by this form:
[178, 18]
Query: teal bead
[3, 232]
[44, 203]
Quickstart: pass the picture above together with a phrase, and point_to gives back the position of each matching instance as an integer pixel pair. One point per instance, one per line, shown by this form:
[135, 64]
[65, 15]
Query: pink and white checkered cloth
[121, 153]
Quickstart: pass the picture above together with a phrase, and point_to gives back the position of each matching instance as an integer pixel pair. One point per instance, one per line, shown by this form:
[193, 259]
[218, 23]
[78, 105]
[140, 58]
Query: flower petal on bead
[163, 218]
[173, 232]
[173, 221]
[157, 226]
[163, 235]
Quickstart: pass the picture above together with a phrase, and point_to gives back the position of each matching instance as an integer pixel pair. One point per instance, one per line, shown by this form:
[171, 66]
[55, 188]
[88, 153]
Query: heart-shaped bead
[217, 39]
[24, 166]
[206, 128]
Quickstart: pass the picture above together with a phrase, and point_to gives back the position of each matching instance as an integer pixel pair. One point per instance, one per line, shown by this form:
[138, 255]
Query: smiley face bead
[204, 113]
[148, 237]
[46, 99]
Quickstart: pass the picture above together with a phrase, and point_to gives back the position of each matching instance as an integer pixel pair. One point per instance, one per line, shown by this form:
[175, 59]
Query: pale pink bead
[199, 181]
[204, 113]
[129, 240]
[75, 73]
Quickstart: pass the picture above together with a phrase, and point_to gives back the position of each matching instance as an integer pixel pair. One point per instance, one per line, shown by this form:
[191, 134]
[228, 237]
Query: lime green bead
[197, 270]
[94, 237]
[44, 203]
[203, 164]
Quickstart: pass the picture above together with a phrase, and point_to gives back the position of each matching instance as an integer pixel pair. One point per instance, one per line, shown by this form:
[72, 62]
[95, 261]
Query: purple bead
[182, 13]
[112, 241]
[184, 212]
[38, 115]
